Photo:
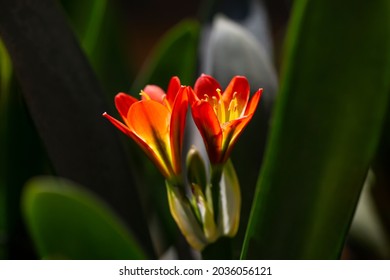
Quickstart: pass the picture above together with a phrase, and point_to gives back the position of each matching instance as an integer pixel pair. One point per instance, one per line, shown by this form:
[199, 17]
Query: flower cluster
[205, 204]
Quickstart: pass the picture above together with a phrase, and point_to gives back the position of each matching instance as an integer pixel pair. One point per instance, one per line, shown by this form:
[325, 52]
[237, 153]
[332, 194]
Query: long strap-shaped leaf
[68, 222]
[66, 104]
[326, 126]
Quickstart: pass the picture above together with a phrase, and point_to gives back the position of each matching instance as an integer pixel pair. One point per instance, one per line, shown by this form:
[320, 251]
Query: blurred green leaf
[5, 73]
[21, 156]
[326, 127]
[174, 55]
[5, 77]
[86, 18]
[67, 222]
[66, 102]
[100, 31]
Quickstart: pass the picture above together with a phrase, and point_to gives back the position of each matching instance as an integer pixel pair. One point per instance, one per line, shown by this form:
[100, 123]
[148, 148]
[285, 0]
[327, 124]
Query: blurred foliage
[67, 222]
[21, 157]
[325, 130]
[100, 28]
[5, 77]
[65, 101]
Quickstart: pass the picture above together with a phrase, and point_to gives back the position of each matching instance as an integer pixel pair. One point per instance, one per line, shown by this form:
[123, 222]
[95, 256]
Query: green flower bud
[196, 169]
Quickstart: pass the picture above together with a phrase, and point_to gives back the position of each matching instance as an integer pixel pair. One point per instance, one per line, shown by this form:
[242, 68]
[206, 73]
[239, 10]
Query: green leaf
[21, 157]
[5, 73]
[86, 18]
[67, 222]
[327, 122]
[101, 34]
[174, 55]
[5, 77]
[66, 102]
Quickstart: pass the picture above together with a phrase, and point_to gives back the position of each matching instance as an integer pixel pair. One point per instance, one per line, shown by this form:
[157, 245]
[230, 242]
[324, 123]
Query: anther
[219, 92]
[144, 95]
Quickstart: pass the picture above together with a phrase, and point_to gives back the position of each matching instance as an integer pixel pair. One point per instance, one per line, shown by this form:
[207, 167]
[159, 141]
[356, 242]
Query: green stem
[216, 174]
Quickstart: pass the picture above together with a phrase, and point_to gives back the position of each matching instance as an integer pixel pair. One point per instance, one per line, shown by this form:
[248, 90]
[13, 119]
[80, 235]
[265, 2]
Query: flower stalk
[216, 175]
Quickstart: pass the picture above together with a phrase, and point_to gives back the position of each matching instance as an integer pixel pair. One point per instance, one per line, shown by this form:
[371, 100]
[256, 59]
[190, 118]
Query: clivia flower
[208, 207]
[220, 115]
[156, 123]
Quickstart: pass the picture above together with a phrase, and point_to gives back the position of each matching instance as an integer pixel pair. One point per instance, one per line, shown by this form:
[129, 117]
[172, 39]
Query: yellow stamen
[217, 104]
[145, 95]
[222, 111]
[233, 112]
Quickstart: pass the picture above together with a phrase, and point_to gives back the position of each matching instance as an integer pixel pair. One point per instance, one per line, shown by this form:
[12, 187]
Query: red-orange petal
[240, 86]
[206, 84]
[172, 90]
[118, 124]
[177, 125]
[252, 105]
[192, 97]
[123, 102]
[233, 129]
[154, 92]
[231, 132]
[149, 120]
[209, 127]
[143, 145]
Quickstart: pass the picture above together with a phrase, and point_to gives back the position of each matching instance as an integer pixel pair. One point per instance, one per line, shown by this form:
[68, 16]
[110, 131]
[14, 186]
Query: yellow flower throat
[223, 112]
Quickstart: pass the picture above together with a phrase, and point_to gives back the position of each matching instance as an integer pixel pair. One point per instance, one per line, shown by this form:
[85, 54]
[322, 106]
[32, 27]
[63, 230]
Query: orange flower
[222, 116]
[156, 123]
